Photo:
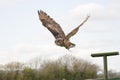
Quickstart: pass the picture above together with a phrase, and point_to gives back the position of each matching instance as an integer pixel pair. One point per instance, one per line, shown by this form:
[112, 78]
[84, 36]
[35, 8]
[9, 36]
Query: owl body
[64, 43]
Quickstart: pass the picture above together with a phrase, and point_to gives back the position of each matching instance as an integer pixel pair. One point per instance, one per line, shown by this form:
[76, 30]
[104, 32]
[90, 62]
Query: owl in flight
[60, 38]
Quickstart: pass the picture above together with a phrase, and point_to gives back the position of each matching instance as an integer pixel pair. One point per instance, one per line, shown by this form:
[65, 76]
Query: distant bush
[64, 68]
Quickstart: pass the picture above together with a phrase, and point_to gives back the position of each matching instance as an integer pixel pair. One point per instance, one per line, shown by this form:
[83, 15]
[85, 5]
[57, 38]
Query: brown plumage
[61, 39]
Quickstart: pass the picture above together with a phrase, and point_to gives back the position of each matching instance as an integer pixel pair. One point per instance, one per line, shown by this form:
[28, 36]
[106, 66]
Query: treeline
[64, 68]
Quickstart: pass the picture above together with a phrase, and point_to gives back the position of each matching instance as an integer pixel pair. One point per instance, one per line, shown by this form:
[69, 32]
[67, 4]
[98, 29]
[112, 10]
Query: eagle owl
[60, 38]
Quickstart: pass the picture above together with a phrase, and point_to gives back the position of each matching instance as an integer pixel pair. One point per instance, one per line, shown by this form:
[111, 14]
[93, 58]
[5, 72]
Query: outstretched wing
[74, 31]
[51, 25]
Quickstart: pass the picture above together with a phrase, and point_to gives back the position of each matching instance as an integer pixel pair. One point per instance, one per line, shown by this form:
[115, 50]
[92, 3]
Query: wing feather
[51, 25]
[74, 31]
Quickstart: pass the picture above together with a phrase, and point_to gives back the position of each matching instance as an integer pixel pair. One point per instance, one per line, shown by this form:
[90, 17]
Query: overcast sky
[22, 36]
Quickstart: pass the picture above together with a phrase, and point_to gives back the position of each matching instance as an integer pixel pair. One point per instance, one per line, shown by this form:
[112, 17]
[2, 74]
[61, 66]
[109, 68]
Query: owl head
[59, 42]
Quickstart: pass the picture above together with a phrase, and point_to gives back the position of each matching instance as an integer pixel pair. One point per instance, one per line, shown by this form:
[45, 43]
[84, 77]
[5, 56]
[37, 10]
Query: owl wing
[74, 31]
[51, 25]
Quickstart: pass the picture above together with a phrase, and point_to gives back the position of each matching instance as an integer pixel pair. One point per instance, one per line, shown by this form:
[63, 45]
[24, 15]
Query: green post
[105, 67]
[104, 55]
